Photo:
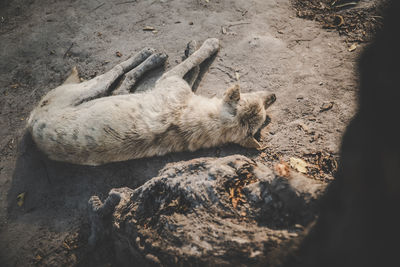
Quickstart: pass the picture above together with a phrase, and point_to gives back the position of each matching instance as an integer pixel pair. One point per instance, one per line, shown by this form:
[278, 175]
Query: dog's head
[249, 111]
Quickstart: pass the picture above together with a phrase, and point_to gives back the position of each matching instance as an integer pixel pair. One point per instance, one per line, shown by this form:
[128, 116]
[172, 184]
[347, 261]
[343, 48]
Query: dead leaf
[21, 199]
[282, 169]
[352, 47]
[299, 165]
[118, 54]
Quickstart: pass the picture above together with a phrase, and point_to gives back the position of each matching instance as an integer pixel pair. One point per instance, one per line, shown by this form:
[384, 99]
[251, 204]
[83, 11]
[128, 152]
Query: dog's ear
[73, 77]
[250, 142]
[232, 94]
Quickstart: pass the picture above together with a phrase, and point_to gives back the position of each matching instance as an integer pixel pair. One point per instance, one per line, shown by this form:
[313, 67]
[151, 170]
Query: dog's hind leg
[207, 49]
[134, 75]
[102, 85]
[192, 75]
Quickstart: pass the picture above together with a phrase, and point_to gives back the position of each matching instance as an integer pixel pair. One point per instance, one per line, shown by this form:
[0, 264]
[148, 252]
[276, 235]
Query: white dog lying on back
[78, 122]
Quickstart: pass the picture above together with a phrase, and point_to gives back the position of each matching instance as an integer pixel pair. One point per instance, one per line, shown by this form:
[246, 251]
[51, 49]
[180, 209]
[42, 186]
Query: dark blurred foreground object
[359, 222]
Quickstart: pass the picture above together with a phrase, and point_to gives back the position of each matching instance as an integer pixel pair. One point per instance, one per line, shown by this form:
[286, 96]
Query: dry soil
[264, 46]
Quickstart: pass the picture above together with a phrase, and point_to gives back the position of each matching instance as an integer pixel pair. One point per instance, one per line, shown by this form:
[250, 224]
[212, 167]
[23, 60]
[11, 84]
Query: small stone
[326, 106]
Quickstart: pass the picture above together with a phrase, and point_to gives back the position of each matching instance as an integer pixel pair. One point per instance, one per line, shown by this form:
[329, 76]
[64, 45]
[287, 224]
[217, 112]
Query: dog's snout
[270, 99]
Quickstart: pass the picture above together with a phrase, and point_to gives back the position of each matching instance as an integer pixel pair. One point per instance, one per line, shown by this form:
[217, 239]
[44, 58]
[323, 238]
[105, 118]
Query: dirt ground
[264, 44]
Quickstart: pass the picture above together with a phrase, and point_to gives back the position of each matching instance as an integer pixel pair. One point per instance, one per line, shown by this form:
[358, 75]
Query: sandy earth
[262, 42]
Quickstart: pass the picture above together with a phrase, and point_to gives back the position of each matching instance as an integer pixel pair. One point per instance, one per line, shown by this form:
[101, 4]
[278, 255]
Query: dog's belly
[110, 130]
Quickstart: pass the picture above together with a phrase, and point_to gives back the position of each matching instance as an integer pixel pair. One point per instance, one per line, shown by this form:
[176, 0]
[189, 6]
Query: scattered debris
[304, 127]
[227, 31]
[149, 29]
[237, 23]
[234, 187]
[338, 21]
[38, 258]
[126, 2]
[15, 85]
[21, 199]
[326, 106]
[69, 49]
[352, 47]
[358, 22]
[242, 11]
[66, 245]
[118, 54]
[322, 166]
[334, 3]
[299, 165]
[223, 30]
[282, 169]
[98, 7]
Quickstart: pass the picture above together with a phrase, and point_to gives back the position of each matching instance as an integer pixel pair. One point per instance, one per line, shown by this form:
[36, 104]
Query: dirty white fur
[70, 124]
